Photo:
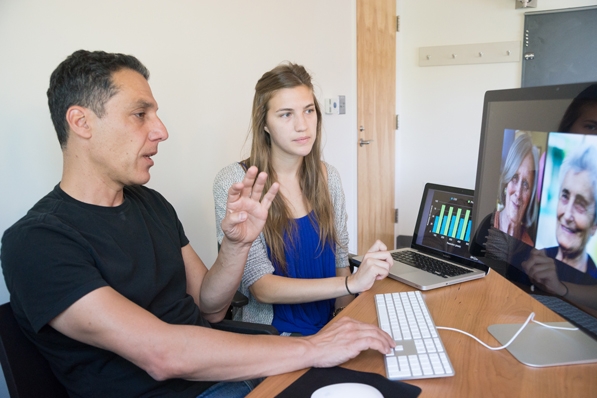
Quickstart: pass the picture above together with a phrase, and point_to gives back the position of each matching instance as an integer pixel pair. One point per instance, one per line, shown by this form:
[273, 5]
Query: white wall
[204, 57]
[440, 107]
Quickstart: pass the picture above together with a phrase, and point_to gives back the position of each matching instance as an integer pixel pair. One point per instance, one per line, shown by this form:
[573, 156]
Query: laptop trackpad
[416, 276]
[400, 269]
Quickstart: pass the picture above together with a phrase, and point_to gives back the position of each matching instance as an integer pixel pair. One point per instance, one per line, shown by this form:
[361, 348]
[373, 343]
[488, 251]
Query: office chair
[26, 371]
[228, 325]
[28, 374]
[239, 300]
[352, 264]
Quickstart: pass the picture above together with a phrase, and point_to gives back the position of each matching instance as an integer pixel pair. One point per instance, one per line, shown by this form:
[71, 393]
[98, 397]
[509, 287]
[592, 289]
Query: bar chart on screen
[451, 221]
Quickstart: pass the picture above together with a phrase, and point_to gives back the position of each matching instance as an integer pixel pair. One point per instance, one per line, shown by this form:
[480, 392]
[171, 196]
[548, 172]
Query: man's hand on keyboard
[345, 339]
[375, 266]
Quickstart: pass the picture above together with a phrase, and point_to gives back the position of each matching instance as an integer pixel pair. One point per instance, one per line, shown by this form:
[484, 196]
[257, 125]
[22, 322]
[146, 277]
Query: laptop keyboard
[429, 264]
[419, 351]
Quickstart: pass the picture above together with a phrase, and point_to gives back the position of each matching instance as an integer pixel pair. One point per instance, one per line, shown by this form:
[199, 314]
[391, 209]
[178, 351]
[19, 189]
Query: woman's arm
[343, 301]
[282, 290]
[340, 215]
[341, 226]
[274, 289]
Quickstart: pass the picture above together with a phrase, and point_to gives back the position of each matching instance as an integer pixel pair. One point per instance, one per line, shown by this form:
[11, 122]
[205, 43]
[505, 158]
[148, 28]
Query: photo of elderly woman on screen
[516, 209]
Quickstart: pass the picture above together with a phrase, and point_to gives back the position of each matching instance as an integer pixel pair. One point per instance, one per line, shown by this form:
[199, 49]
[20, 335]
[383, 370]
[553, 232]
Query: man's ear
[77, 119]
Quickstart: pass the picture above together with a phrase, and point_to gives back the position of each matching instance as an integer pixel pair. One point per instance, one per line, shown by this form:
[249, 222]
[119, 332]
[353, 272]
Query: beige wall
[204, 57]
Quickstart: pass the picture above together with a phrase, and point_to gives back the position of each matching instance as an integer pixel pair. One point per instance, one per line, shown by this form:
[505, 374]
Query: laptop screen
[444, 222]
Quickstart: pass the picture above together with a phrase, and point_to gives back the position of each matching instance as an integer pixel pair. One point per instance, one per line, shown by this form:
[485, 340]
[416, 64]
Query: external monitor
[535, 195]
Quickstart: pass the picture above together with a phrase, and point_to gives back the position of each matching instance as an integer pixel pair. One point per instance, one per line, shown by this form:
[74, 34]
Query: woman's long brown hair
[312, 180]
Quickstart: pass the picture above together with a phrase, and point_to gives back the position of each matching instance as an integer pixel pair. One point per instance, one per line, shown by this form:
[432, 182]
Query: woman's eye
[580, 208]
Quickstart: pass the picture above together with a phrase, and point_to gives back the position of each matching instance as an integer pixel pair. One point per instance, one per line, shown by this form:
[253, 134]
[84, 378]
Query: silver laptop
[439, 252]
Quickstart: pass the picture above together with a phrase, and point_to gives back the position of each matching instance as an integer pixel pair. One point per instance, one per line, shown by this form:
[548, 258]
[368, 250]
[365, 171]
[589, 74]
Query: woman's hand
[375, 266]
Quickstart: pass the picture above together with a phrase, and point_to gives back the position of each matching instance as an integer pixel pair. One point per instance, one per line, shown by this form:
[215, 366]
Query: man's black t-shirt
[63, 249]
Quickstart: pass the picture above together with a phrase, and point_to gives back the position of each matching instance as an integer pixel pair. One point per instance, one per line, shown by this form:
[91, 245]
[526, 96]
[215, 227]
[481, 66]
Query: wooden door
[376, 103]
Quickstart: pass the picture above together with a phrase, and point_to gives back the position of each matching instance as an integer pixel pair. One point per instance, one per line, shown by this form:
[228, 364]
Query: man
[102, 277]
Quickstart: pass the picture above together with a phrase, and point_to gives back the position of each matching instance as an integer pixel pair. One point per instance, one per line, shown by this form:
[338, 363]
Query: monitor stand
[539, 346]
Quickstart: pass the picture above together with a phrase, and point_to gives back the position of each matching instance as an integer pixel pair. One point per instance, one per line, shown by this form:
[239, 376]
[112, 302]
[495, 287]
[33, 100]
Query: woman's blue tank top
[305, 259]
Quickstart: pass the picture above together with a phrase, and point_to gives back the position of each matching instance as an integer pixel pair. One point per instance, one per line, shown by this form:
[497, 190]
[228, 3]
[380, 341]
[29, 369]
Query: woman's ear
[266, 129]
[76, 117]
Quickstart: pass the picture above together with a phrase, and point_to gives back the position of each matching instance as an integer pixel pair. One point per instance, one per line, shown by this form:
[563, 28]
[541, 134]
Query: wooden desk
[479, 372]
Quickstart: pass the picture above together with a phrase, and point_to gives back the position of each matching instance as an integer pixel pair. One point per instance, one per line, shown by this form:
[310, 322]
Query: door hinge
[395, 216]
[397, 122]
[397, 23]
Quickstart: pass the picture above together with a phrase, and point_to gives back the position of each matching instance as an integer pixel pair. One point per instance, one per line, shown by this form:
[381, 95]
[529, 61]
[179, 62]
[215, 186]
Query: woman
[581, 115]
[297, 274]
[517, 189]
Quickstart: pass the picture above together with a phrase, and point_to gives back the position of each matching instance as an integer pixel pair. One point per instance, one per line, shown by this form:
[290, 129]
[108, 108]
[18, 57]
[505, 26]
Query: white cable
[554, 327]
[530, 318]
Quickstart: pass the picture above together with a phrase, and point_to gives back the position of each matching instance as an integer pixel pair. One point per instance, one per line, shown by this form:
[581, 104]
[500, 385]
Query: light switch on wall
[331, 105]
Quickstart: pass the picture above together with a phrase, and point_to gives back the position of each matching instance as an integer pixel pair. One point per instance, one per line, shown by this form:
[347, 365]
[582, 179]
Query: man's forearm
[259, 356]
[223, 278]
[254, 356]
[107, 320]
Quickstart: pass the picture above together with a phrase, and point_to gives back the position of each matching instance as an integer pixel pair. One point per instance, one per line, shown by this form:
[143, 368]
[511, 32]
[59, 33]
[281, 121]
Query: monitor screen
[535, 218]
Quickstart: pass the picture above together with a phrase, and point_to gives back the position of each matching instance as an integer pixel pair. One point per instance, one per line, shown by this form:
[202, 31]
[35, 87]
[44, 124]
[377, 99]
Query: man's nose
[159, 131]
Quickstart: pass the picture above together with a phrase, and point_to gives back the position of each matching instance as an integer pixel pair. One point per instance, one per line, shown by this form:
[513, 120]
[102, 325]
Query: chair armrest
[239, 300]
[352, 262]
[245, 327]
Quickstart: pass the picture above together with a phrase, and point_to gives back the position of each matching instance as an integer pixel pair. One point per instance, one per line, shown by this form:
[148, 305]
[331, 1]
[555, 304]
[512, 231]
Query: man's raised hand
[246, 211]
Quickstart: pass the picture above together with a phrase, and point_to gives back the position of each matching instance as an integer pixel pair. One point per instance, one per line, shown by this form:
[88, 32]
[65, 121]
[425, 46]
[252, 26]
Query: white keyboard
[419, 351]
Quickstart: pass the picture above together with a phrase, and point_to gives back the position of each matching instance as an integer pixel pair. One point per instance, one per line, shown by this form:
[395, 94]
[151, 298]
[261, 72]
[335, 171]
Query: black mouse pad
[316, 378]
